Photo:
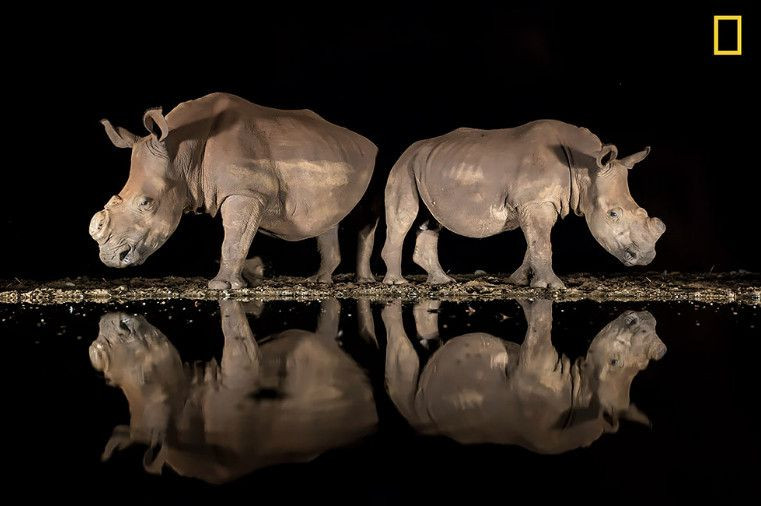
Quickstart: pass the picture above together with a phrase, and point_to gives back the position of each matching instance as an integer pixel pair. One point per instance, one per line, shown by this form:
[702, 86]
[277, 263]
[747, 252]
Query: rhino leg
[240, 219]
[365, 243]
[253, 270]
[426, 315]
[330, 256]
[330, 315]
[426, 253]
[402, 364]
[366, 324]
[536, 221]
[401, 209]
[240, 356]
[537, 353]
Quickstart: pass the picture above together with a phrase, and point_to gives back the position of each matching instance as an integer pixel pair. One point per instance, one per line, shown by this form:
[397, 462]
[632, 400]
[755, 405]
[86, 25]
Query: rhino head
[621, 226]
[138, 220]
[616, 355]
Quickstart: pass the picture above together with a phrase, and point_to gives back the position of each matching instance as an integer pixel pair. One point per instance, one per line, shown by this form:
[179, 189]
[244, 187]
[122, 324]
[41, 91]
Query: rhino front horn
[99, 225]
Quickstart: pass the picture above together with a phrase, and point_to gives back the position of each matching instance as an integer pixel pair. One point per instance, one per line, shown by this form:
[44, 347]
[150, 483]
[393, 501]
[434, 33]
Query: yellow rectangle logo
[738, 48]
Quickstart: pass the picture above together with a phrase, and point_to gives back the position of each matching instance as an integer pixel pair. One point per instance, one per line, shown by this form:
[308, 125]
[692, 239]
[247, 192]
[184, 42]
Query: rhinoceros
[289, 174]
[478, 388]
[288, 400]
[478, 183]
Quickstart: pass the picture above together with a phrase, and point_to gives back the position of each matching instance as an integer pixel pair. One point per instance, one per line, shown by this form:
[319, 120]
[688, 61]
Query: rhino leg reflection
[366, 322]
[537, 352]
[426, 315]
[536, 221]
[240, 355]
[402, 363]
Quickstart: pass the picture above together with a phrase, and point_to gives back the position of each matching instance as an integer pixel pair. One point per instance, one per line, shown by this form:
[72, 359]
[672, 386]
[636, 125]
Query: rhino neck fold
[580, 184]
[188, 163]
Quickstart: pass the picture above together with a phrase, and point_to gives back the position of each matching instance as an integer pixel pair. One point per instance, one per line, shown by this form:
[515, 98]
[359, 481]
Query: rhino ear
[120, 137]
[631, 160]
[607, 154]
[156, 124]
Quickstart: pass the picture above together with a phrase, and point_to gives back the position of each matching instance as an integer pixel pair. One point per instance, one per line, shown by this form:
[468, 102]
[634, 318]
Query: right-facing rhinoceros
[290, 174]
[478, 183]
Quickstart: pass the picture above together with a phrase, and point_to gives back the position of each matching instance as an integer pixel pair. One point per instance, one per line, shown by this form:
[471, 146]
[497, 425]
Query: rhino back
[318, 170]
[474, 181]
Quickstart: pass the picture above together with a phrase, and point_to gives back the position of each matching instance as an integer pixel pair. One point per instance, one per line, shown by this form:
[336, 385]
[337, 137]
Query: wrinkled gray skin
[478, 183]
[289, 174]
[478, 388]
[288, 400]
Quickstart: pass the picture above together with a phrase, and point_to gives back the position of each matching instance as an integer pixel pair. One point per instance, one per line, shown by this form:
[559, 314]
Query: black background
[636, 75]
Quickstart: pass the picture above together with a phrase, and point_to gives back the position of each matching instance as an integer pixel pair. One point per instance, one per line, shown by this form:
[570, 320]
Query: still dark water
[353, 402]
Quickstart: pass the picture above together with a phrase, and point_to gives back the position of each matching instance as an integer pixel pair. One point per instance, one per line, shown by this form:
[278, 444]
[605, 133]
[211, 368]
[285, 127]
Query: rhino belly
[463, 201]
[315, 196]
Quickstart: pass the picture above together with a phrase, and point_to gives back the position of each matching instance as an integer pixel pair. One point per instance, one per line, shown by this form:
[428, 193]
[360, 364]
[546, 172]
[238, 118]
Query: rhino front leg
[426, 254]
[240, 218]
[536, 221]
[330, 256]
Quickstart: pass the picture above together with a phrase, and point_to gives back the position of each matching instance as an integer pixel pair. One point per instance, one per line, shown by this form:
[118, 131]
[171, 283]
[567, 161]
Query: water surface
[353, 401]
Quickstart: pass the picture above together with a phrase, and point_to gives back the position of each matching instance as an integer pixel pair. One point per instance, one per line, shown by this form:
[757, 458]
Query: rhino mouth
[121, 256]
[629, 257]
[632, 255]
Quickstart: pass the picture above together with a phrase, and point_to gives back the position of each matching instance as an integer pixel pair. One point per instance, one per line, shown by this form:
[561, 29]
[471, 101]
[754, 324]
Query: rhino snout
[657, 350]
[99, 226]
[657, 226]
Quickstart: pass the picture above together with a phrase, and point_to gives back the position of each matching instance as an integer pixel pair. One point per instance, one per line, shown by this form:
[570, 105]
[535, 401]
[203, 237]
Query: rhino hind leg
[426, 253]
[402, 205]
[253, 270]
[536, 221]
[365, 243]
[330, 256]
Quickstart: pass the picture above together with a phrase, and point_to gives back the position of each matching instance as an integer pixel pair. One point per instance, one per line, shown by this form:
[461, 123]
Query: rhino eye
[614, 362]
[614, 214]
[145, 203]
[631, 320]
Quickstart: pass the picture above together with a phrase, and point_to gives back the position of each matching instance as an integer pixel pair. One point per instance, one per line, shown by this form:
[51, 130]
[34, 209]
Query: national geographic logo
[727, 35]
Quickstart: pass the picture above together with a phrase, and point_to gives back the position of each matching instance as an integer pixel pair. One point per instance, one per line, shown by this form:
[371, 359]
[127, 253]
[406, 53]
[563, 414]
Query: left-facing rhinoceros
[290, 174]
[479, 183]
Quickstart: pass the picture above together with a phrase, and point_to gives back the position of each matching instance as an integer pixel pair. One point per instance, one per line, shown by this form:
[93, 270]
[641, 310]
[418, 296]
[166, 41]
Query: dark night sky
[637, 75]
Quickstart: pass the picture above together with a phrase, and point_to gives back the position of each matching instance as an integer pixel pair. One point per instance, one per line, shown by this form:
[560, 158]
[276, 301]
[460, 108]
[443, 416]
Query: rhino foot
[320, 278]
[219, 283]
[368, 278]
[391, 279]
[551, 281]
[439, 279]
[519, 277]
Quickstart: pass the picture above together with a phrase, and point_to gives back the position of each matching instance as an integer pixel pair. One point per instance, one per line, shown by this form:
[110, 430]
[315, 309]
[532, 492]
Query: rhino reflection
[478, 388]
[287, 400]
